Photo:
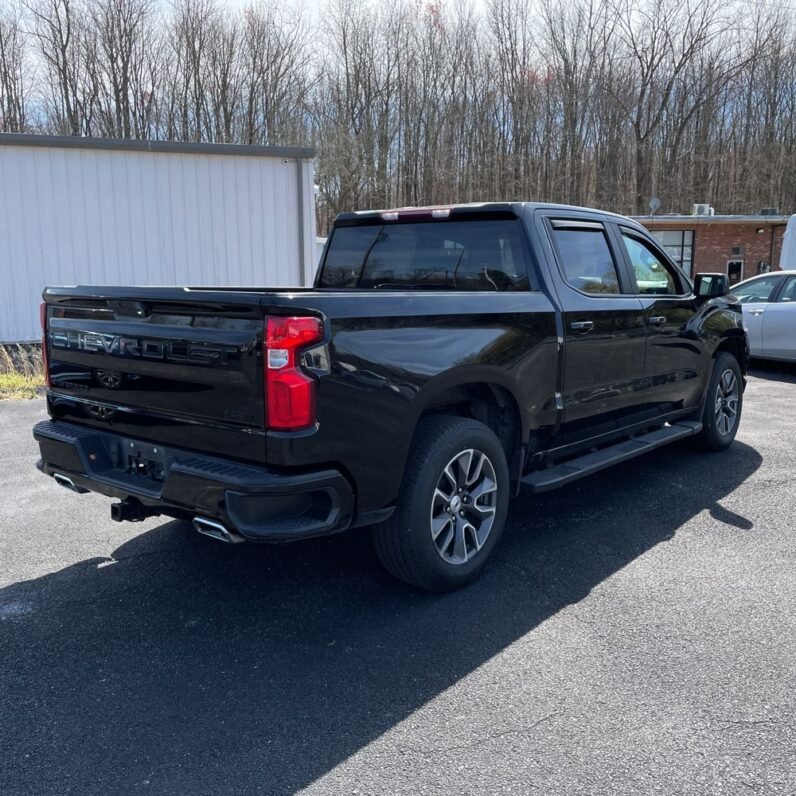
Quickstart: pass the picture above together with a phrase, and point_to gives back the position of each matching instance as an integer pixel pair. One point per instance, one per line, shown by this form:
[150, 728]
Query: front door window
[652, 274]
[757, 291]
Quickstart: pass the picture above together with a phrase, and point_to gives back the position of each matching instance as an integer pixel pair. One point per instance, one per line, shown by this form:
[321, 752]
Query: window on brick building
[679, 245]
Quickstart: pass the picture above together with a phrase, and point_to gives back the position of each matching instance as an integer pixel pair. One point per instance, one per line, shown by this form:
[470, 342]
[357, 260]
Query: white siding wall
[787, 259]
[94, 216]
[319, 245]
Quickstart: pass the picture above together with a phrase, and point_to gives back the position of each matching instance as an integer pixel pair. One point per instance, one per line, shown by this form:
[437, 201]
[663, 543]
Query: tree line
[595, 102]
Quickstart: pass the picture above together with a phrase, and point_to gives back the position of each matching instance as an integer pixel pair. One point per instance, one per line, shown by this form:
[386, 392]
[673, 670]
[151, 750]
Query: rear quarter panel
[393, 354]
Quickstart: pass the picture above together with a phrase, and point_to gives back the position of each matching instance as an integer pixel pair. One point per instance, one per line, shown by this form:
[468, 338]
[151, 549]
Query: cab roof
[465, 210]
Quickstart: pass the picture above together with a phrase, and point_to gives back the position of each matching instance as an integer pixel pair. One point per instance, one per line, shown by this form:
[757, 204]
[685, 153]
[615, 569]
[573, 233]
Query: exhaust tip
[215, 530]
[66, 482]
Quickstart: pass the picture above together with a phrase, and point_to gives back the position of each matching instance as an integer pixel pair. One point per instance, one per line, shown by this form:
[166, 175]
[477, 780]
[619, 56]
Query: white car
[769, 311]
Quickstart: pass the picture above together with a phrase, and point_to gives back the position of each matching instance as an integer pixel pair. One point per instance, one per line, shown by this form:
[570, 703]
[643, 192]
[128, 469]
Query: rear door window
[789, 291]
[585, 257]
[457, 255]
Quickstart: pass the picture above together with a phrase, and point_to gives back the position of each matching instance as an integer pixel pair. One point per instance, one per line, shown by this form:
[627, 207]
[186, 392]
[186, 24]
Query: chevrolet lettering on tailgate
[118, 345]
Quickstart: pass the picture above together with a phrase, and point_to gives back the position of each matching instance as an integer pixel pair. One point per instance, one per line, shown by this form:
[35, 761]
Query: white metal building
[787, 258]
[96, 211]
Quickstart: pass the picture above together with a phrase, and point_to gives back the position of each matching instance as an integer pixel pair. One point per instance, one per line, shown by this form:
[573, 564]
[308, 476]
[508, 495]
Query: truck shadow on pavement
[187, 666]
[773, 371]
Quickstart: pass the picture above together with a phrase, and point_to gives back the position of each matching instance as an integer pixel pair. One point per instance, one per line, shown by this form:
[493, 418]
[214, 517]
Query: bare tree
[583, 101]
[58, 29]
[14, 75]
[277, 74]
[660, 39]
[119, 59]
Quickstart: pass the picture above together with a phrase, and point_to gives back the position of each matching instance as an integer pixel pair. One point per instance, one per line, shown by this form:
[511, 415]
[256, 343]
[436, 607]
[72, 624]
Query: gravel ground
[636, 634]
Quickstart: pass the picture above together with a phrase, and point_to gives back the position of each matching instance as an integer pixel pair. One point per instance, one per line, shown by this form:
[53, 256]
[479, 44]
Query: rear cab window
[473, 254]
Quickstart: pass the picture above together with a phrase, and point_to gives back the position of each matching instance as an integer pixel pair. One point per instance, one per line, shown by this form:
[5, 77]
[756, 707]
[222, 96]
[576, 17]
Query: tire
[723, 404]
[414, 544]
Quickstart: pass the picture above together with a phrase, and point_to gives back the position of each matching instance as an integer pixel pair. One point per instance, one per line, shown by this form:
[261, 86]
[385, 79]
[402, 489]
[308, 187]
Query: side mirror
[708, 286]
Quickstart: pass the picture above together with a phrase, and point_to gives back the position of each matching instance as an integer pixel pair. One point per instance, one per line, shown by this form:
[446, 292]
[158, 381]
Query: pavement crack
[593, 627]
[510, 565]
[766, 482]
[746, 722]
[134, 556]
[494, 736]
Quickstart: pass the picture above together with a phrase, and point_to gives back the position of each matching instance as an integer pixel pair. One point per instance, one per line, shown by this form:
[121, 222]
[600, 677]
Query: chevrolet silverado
[445, 359]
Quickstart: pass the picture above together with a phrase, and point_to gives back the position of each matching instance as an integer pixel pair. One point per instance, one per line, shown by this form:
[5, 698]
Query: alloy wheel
[463, 506]
[727, 397]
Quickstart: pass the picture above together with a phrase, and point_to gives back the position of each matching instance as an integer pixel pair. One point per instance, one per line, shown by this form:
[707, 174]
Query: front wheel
[723, 404]
[452, 506]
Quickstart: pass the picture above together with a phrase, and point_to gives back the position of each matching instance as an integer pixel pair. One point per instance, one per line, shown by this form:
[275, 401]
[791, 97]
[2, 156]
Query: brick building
[739, 246]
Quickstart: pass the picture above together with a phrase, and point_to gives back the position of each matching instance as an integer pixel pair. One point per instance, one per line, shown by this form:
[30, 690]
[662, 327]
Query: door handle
[582, 326]
[657, 320]
[756, 312]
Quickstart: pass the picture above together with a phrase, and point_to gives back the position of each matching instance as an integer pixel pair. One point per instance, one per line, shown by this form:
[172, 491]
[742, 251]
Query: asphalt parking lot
[635, 634]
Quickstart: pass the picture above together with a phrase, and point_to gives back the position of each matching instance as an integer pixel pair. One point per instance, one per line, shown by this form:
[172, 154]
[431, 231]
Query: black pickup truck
[445, 359]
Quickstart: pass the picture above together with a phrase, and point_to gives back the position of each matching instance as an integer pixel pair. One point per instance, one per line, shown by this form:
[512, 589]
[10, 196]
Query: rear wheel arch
[436, 539]
[490, 402]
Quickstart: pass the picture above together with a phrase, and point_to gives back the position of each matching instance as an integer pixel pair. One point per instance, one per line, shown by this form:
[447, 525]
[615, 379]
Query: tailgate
[179, 367]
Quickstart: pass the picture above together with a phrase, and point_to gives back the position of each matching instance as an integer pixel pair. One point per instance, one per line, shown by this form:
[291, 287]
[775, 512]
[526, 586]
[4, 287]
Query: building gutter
[140, 145]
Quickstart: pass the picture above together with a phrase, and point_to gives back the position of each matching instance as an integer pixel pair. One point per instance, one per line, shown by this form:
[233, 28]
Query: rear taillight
[289, 391]
[45, 363]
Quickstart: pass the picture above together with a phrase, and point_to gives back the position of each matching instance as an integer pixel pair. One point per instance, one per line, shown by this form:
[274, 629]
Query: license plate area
[144, 461]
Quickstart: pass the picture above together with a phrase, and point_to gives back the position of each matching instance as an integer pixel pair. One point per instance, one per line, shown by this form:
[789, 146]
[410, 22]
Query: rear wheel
[452, 506]
[723, 404]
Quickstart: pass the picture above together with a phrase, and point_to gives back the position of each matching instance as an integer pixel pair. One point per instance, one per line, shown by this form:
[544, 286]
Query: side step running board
[560, 474]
